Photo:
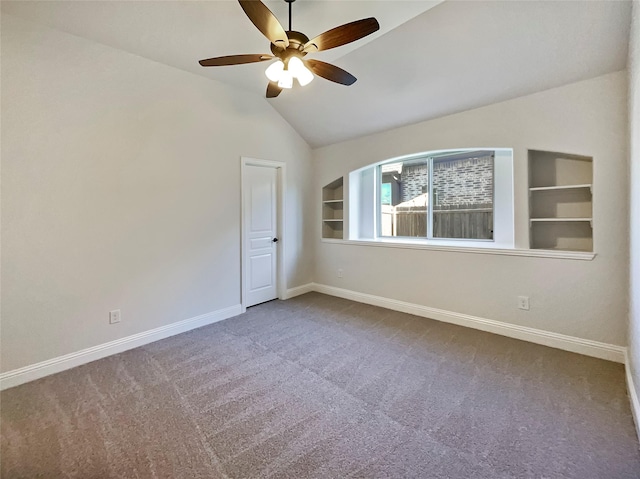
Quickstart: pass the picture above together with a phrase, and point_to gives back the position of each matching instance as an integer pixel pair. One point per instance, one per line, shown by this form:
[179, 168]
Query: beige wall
[586, 299]
[121, 189]
[634, 128]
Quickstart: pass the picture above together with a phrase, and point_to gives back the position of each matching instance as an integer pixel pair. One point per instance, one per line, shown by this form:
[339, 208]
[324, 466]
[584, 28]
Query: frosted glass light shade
[274, 71]
[299, 71]
[295, 65]
[286, 79]
[304, 76]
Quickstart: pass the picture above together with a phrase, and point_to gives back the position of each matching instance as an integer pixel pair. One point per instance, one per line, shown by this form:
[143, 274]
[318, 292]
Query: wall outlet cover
[114, 316]
[523, 302]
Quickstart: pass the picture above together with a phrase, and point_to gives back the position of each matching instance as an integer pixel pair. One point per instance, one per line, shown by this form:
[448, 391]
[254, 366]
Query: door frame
[281, 171]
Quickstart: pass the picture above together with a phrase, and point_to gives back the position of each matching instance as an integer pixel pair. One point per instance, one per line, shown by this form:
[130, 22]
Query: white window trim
[504, 223]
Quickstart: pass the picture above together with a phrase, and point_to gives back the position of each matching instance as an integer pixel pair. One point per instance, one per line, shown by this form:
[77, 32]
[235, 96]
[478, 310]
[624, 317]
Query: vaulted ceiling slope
[430, 58]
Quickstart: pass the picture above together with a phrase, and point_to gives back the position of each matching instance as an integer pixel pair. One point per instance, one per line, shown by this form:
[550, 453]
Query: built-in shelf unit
[560, 201]
[333, 210]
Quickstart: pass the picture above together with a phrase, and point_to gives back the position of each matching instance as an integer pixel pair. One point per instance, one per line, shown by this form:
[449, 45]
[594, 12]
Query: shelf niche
[560, 201]
[333, 210]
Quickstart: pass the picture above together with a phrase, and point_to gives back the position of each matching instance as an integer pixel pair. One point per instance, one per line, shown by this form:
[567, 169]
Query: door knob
[275, 240]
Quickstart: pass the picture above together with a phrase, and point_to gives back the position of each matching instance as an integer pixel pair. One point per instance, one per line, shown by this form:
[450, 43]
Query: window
[439, 197]
[449, 196]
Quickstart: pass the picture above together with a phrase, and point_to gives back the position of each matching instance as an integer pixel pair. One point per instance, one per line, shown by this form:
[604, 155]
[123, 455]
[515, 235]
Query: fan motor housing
[297, 41]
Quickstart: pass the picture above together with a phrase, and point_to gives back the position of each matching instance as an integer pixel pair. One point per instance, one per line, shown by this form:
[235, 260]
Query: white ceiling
[430, 59]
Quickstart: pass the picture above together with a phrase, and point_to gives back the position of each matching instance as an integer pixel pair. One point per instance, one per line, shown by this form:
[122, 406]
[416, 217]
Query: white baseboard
[587, 347]
[633, 394]
[68, 361]
[298, 290]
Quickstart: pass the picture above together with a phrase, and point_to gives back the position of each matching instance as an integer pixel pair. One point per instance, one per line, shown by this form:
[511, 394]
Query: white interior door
[260, 234]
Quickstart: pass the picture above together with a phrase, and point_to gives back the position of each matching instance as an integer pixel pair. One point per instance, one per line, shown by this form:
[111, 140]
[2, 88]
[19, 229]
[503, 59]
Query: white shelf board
[333, 220]
[561, 220]
[333, 201]
[565, 187]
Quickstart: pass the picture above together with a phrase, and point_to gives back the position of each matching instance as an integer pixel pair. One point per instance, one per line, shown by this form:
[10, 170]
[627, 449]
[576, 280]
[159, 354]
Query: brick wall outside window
[457, 183]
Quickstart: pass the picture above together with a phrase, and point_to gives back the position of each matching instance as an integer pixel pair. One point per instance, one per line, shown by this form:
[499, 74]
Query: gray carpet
[323, 387]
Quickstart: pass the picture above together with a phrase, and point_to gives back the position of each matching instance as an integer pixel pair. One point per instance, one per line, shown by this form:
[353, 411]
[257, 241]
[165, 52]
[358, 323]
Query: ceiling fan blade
[234, 60]
[347, 33]
[265, 21]
[273, 90]
[330, 72]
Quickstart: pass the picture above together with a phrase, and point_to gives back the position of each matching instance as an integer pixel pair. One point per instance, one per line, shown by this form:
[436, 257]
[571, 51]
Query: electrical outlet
[114, 316]
[340, 273]
[523, 302]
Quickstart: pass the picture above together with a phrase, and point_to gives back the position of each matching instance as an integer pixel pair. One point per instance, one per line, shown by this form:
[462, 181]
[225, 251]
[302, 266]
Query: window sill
[489, 249]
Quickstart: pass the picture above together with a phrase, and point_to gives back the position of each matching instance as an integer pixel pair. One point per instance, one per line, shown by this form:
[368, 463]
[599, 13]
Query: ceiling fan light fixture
[283, 75]
[274, 71]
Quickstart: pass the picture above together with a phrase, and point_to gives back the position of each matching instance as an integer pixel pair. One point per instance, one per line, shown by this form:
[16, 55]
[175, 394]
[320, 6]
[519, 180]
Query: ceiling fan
[289, 47]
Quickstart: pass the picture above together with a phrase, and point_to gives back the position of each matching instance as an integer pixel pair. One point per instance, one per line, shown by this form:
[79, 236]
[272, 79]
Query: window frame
[362, 225]
[432, 158]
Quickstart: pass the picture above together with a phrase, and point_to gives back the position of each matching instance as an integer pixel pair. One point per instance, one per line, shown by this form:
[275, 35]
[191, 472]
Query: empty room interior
[296, 239]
